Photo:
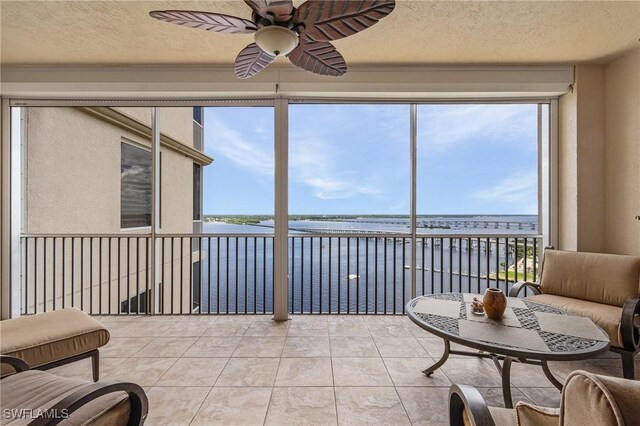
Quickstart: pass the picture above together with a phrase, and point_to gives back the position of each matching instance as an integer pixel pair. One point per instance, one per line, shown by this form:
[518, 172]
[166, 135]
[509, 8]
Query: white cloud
[256, 158]
[450, 125]
[518, 191]
[312, 164]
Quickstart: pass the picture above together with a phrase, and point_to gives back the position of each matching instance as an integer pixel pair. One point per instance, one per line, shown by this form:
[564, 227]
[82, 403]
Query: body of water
[368, 273]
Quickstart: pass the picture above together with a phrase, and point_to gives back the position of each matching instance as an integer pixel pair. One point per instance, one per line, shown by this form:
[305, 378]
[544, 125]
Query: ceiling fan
[279, 29]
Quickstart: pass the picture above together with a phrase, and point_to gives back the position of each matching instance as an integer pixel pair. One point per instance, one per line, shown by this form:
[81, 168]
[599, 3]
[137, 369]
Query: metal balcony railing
[375, 273]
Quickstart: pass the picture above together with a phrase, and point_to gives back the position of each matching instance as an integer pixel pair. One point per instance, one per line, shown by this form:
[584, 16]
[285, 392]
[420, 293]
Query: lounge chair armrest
[521, 285]
[628, 330]
[137, 398]
[461, 397]
[17, 364]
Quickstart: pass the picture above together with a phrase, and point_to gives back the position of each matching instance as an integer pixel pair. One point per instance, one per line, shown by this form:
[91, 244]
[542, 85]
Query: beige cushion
[501, 417]
[606, 316]
[589, 399]
[532, 415]
[601, 278]
[51, 336]
[39, 390]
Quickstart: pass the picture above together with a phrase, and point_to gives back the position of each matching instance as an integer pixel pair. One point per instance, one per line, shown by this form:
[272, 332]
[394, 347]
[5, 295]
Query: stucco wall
[622, 165]
[581, 162]
[72, 186]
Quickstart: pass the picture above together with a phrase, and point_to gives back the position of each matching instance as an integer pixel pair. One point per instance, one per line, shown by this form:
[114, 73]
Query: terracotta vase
[495, 302]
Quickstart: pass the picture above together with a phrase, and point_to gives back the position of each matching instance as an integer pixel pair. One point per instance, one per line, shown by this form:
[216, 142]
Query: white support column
[6, 279]
[413, 178]
[281, 211]
[548, 173]
[154, 258]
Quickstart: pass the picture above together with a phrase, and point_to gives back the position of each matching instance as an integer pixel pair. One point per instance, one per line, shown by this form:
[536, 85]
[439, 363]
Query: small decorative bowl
[477, 307]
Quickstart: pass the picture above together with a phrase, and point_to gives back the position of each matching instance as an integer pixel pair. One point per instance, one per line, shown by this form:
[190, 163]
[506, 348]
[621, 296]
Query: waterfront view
[360, 263]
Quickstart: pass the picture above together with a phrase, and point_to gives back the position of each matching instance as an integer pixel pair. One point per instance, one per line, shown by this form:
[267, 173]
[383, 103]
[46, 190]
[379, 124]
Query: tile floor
[245, 370]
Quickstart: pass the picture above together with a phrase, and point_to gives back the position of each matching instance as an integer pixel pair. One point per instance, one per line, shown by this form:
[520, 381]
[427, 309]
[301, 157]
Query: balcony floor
[239, 370]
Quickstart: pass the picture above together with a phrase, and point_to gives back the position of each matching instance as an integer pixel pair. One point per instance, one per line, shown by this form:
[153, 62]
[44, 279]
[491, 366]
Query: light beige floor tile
[83, 369]
[527, 375]
[213, 347]
[170, 347]
[544, 397]
[408, 372]
[142, 371]
[249, 372]
[304, 372]
[302, 406]
[359, 347]
[610, 367]
[317, 346]
[389, 330]
[193, 372]
[426, 406]
[268, 328]
[373, 320]
[137, 328]
[187, 329]
[174, 406]
[370, 405]
[267, 347]
[471, 371]
[204, 318]
[360, 372]
[495, 398]
[234, 406]
[123, 346]
[308, 326]
[236, 319]
[227, 328]
[400, 347]
[347, 326]
[435, 347]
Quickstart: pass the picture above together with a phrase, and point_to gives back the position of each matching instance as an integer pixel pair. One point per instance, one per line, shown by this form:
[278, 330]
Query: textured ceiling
[417, 32]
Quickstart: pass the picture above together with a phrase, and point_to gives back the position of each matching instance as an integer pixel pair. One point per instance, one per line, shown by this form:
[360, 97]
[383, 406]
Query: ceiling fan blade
[205, 21]
[251, 60]
[326, 20]
[281, 9]
[319, 57]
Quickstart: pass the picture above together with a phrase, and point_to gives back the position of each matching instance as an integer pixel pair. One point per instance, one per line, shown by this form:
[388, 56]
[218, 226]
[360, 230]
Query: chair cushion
[51, 336]
[602, 278]
[500, 416]
[586, 400]
[532, 415]
[606, 316]
[38, 390]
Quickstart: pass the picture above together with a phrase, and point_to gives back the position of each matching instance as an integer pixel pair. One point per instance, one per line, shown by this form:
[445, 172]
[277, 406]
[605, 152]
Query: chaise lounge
[39, 398]
[602, 287]
[52, 339]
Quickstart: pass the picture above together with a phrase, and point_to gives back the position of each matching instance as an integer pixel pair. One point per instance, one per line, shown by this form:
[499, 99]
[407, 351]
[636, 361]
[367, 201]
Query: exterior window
[197, 115]
[197, 201]
[135, 187]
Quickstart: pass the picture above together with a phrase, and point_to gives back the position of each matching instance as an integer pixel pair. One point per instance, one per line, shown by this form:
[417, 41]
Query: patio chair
[587, 399]
[38, 398]
[602, 287]
[52, 339]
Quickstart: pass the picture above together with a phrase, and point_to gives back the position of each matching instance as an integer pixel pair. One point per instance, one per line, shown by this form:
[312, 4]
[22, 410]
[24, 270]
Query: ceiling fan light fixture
[276, 40]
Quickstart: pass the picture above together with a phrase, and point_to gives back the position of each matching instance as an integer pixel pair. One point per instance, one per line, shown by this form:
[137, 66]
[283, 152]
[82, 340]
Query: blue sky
[354, 159]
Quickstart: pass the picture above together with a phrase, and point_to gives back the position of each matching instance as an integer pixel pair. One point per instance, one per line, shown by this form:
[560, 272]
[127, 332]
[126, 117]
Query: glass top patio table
[529, 332]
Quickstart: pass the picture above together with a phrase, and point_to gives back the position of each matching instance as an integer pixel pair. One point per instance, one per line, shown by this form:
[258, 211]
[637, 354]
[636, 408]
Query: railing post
[281, 211]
